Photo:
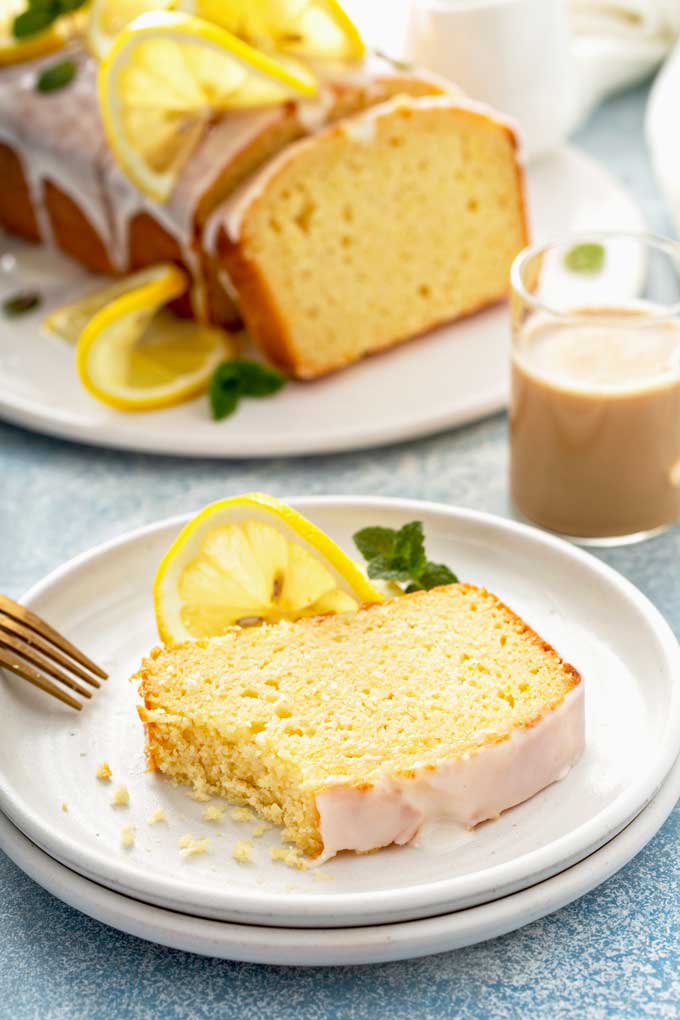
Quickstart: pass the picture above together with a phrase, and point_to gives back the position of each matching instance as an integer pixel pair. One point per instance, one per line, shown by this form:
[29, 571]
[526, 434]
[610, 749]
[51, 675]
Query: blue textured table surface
[613, 954]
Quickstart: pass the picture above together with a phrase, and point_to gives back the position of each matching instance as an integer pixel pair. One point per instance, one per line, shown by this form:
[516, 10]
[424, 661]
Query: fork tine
[25, 616]
[32, 638]
[26, 652]
[10, 661]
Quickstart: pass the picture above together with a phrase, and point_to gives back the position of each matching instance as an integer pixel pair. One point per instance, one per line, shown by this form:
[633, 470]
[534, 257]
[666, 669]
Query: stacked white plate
[450, 889]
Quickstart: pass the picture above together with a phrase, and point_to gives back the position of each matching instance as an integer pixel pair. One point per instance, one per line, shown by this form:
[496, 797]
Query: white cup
[513, 54]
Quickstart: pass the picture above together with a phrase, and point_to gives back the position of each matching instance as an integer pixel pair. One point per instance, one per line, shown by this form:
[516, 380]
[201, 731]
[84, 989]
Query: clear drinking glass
[595, 404]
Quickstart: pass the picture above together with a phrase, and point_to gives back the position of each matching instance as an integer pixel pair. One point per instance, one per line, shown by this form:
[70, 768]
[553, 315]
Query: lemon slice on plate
[248, 560]
[164, 78]
[136, 356]
[15, 51]
[311, 28]
[156, 286]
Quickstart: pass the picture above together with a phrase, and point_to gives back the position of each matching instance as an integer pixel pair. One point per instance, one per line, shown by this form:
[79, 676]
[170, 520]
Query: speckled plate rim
[423, 900]
[304, 947]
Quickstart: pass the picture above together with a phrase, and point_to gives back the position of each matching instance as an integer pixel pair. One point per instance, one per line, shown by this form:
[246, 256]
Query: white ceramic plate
[341, 946]
[600, 622]
[451, 376]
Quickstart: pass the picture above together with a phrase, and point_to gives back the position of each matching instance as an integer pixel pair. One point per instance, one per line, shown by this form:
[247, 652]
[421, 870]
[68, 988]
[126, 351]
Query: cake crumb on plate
[291, 857]
[64, 807]
[213, 813]
[127, 837]
[241, 814]
[190, 847]
[104, 772]
[157, 816]
[243, 851]
[260, 830]
[121, 797]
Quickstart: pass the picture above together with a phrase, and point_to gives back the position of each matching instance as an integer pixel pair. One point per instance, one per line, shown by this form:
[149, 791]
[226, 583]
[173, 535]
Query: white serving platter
[453, 375]
[627, 654]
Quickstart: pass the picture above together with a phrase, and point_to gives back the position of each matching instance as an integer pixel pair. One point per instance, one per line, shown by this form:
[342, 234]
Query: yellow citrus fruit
[135, 355]
[310, 28]
[250, 560]
[158, 285]
[109, 17]
[15, 51]
[166, 75]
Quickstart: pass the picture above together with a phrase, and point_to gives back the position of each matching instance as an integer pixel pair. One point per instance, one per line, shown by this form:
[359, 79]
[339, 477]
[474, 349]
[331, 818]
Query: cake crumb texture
[127, 837]
[191, 847]
[157, 816]
[271, 717]
[243, 851]
[104, 772]
[289, 856]
[121, 797]
[214, 812]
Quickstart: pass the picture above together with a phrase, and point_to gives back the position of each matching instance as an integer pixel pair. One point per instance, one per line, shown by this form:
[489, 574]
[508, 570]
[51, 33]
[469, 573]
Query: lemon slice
[311, 28]
[136, 356]
[15, 51]
[165, 280]
[166, 75]
[109, 17]
[248, 560]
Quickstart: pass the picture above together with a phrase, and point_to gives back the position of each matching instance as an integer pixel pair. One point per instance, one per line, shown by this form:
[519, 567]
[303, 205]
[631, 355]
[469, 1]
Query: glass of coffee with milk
[595, 404]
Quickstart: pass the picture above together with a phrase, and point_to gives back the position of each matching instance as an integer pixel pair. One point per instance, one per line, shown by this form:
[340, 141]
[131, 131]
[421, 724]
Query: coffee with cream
[595, 422]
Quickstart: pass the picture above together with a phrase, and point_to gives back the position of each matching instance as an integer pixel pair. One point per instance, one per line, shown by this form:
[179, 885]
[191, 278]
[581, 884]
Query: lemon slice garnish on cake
[134, 354]
[155, 285]
[249, 560]
[30, 47]
[311, 28]
[164, 78]
[109, 17]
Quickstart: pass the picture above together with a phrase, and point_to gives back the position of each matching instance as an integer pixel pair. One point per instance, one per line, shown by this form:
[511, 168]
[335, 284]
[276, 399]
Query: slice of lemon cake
[352, 730]
[373, 231]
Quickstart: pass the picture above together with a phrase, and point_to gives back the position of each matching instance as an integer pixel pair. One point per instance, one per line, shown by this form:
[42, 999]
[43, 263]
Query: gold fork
[30, 648]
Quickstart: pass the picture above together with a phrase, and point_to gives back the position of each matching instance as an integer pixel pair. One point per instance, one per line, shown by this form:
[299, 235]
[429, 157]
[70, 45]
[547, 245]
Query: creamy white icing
[468, 789]
[360, 127]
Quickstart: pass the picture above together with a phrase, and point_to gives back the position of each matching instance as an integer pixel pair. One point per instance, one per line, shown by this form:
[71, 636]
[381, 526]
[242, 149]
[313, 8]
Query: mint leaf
[19, 304]
[435, 574]
[57, 76]
[238, 378]
[372, 542]
[409, 548]
[40, 14]
[31, 22]
[400, 556]
[585, 258]
[381, 568]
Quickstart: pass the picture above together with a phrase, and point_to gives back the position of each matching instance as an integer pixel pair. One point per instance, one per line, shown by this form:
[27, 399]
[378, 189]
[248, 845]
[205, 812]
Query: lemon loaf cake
[62, 186]
[374, 231]
[352, 730]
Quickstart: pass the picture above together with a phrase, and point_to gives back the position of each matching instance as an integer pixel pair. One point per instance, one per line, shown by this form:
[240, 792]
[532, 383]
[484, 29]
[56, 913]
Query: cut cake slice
[375, 230]
[352, 730]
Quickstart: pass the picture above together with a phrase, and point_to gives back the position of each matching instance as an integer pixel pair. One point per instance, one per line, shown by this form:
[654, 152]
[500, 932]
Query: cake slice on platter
[353, 730]
[374, 231]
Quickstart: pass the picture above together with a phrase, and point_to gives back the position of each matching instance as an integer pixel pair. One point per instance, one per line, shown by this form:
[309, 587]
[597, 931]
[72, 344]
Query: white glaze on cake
[468, 790]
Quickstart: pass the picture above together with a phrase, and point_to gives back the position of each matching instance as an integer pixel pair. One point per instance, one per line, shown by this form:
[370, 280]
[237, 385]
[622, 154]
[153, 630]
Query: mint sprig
[400, 556]
[40, 14]
[585, 258]
[239, 378]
